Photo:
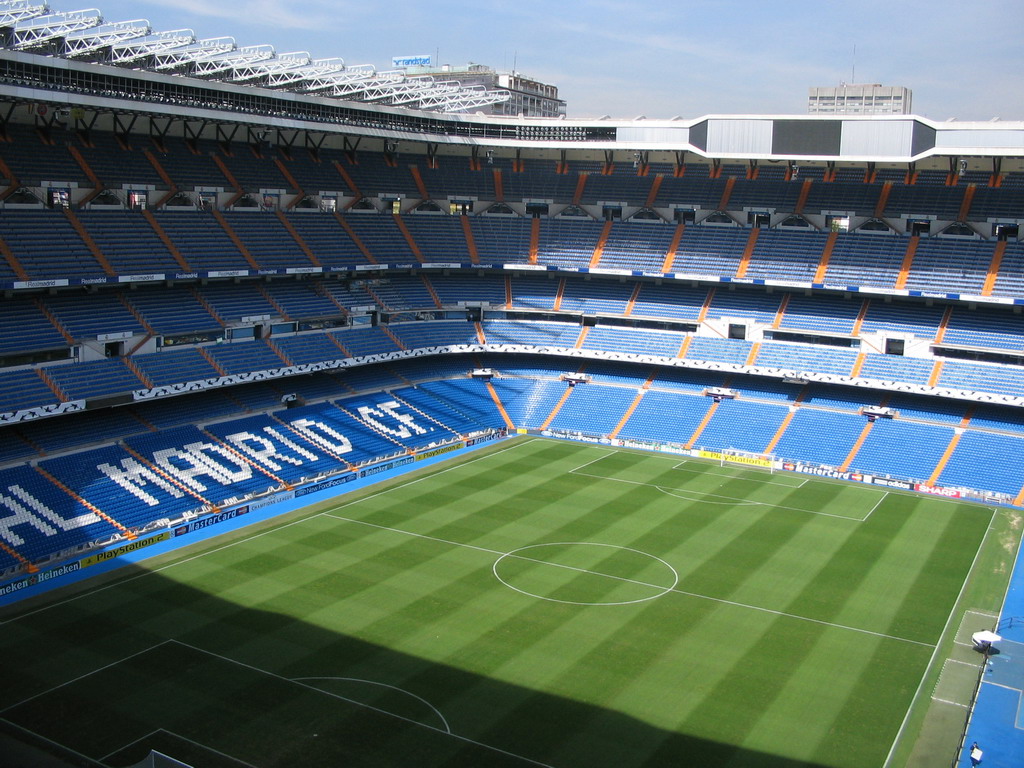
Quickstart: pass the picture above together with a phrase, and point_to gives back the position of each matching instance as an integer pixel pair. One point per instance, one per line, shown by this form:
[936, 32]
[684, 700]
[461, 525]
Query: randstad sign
[400, 62]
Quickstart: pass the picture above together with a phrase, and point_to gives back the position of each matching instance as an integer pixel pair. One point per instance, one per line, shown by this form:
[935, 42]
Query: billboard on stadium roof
[401, 62]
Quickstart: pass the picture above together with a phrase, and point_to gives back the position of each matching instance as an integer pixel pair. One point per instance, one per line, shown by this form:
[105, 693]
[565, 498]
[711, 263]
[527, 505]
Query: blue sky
[659, 59]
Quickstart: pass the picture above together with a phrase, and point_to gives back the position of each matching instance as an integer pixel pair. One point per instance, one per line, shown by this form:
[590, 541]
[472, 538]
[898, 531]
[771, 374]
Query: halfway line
[631, 581]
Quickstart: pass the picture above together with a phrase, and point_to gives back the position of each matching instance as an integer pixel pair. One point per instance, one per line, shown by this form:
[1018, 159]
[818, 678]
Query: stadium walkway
[997, 724]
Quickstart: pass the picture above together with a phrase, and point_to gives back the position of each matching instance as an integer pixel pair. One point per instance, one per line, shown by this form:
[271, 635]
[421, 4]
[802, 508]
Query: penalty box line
[676, 590]
[703, 496]
[708, 469]
[84, 675]
[361, 704]
[175, 735]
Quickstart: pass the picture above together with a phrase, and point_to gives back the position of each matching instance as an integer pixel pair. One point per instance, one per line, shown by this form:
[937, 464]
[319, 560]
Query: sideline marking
[447, 728]
[942, 674]
[514, 554]
[952, 703]
[304, 516]
[965, 663]
[1002, 685]
[653, 586]
[935, 653]
[295, 681]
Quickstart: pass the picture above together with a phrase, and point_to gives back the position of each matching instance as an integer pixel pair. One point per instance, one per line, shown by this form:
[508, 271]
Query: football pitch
[539, 603]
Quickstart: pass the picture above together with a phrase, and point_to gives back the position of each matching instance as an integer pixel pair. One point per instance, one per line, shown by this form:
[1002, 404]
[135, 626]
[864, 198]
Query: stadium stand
[183, 271]
[208, 299]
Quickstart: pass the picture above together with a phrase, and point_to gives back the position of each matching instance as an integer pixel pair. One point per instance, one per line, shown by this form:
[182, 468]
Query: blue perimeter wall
[210, 526]
[997, 723]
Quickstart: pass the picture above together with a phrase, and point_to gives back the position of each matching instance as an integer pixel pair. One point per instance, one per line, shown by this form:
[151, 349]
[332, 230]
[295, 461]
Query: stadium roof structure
[76, 69]
[84, 35]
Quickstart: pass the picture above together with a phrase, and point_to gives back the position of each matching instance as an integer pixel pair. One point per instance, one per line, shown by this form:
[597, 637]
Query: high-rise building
[860, 99]
[528, 97]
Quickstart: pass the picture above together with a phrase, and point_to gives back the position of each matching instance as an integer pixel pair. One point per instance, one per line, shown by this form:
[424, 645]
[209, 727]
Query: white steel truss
[217, 63]
[31, 33]
[153, 45]
[470, 97]
[84, 34]
[349, 87]
[351, 77]
[200, 49]
[282, 63]
[409, 91]
[318, 68]
[95, 39]
[13, 11]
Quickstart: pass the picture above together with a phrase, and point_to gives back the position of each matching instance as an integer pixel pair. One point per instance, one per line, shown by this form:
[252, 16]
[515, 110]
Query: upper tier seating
[94, 378]
[568, 242]
[637, 246]
[661, 343]
[528, 402]
[866, 259]
[596, 297]
[820, 436]
[267, 240]
[26, 328]
[742, 424]
[501, 239]
[902, 448]
[46, 244]
[128, 242]
[197, 313]
[710, 250]
[37, 154]
[783, 255]
[593, 408]
[201, 240]
[665, 416]
[821, 313]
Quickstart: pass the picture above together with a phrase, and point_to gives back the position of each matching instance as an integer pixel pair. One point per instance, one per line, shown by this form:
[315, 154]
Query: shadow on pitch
[148, 663]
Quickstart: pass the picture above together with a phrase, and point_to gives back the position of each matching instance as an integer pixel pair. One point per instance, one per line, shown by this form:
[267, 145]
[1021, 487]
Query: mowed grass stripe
[638, 667]
[840, 577]
[784, 570]
[590, 685]
[253, 714]
[813, 708]
[942, 572]
[877, 709]
[930, 538]
[746, 488]
[766, 530]
[749, 682]
[720, 519]
[470, 500]
[613, 666]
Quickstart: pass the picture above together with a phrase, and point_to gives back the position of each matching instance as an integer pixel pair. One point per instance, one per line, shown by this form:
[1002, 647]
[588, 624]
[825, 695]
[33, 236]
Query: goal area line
[707, 497]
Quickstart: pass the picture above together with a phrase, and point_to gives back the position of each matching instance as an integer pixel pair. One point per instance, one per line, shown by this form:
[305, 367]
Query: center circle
[585, 573]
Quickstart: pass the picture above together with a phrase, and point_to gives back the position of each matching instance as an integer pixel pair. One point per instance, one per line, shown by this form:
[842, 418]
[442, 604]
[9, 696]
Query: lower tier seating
[152, 463]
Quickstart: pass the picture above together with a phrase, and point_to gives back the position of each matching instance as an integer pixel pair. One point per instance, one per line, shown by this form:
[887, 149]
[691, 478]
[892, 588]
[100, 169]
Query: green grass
[543, 602]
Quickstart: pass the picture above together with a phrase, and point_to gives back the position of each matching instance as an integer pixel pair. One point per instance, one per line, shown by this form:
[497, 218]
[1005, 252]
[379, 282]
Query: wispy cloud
[312, 15]
[686, 57]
